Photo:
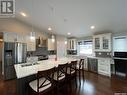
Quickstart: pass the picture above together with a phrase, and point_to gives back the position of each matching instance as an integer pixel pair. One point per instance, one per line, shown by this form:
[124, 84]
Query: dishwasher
[93, 65]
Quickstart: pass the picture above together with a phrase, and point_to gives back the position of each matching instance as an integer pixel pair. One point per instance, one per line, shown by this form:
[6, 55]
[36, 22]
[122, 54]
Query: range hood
[40, 44]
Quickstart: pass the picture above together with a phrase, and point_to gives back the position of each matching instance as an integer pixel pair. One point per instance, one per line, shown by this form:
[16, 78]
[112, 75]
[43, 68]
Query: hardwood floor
[90, 84]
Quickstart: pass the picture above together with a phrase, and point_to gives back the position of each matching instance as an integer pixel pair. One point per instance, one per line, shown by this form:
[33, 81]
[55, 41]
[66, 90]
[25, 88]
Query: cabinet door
[104, 67]
[10, 37]
[69, 44]
[21, 38]
[31, 46]
[51, 45]
[106, 42]
[102, 42]
[97, 43]
[72, 44]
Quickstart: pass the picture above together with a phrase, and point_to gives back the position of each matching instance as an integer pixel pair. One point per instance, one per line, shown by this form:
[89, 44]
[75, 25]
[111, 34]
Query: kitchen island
[100, 65]
[26, 72]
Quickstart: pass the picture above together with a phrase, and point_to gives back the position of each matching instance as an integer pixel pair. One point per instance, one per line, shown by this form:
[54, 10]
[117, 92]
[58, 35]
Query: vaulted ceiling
[74, 16]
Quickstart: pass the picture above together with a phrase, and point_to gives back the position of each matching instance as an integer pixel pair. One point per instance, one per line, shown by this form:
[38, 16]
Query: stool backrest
[72, 66]
[81, 63]
[61, 69]
[47, 75]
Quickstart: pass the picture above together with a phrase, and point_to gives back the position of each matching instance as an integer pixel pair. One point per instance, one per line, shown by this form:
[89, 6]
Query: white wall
[61, 46]
[14, 25]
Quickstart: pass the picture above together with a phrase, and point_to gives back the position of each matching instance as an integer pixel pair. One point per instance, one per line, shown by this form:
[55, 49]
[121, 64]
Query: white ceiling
[75, 16]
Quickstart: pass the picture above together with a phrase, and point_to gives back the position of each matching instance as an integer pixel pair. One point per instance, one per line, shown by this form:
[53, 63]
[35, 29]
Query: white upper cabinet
[10, 37]
[102, 42]
[31, 44]
[14, 37]
[51, 45]
[71, 44]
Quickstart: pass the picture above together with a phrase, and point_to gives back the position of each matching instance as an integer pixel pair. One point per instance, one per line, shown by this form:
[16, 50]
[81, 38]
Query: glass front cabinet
[102, 42]
[71, 44]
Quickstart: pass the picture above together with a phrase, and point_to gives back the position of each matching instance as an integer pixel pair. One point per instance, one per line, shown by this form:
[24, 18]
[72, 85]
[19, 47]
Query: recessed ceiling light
[49, 28]
[92, 27]
[69, 33]
[23, 14]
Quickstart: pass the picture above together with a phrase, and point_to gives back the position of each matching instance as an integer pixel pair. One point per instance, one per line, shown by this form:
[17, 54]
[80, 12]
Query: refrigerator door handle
[15, 53]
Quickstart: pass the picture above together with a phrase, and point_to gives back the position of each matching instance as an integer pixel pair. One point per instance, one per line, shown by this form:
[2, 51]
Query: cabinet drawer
[102, 68]
[104, 62]
[104, 73]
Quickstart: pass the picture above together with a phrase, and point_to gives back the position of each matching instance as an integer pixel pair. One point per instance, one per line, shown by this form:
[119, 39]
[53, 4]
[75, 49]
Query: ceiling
[74, 16]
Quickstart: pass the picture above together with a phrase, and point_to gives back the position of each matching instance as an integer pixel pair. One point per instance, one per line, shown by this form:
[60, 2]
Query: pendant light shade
[65, 42]
[53, 38]
[32, 33]
[32, 36]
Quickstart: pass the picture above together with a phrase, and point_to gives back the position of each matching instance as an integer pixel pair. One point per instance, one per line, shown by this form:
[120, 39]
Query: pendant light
[32, 34]
[53, 38]
[65, 42]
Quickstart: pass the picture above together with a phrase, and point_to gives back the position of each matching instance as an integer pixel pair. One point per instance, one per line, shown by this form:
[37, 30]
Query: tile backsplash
[103, 54]
[72, 52]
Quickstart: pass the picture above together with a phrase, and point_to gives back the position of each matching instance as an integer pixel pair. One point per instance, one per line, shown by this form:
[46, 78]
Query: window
[85, 47]
[120, 44]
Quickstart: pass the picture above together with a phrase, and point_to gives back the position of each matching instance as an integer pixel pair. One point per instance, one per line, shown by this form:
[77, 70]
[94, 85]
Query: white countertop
[88, 56]
[43, 65]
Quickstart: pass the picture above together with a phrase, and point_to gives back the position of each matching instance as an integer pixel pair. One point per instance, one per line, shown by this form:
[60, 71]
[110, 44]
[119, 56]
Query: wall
[61, 46]
[119, 34]
[85, 38]
[14, 25]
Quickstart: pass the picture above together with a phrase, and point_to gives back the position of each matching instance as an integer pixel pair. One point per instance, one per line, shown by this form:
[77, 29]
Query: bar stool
[60, 76]
[43, 84]
[71, 71]
[80, 67]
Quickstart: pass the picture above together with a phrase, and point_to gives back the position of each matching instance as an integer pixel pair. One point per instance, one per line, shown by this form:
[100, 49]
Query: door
[21, 52]
[106, 42]
[24, 53]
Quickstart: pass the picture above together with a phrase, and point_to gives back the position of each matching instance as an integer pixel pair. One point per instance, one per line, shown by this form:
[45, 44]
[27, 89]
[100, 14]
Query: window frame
[81, 42]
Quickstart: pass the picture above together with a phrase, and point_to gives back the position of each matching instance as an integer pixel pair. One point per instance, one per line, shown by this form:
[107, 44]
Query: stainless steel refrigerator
[14, 53]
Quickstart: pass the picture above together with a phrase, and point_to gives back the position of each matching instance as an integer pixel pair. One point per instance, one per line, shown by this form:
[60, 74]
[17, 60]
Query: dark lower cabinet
[121, 67]
[9, 72]
[23, 85]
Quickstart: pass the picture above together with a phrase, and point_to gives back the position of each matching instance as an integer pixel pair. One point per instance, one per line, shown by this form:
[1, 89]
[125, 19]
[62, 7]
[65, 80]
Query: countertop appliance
[14, 53]
[120, 60]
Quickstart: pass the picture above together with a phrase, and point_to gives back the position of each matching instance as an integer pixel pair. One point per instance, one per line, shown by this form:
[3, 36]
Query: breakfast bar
[27, 72]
